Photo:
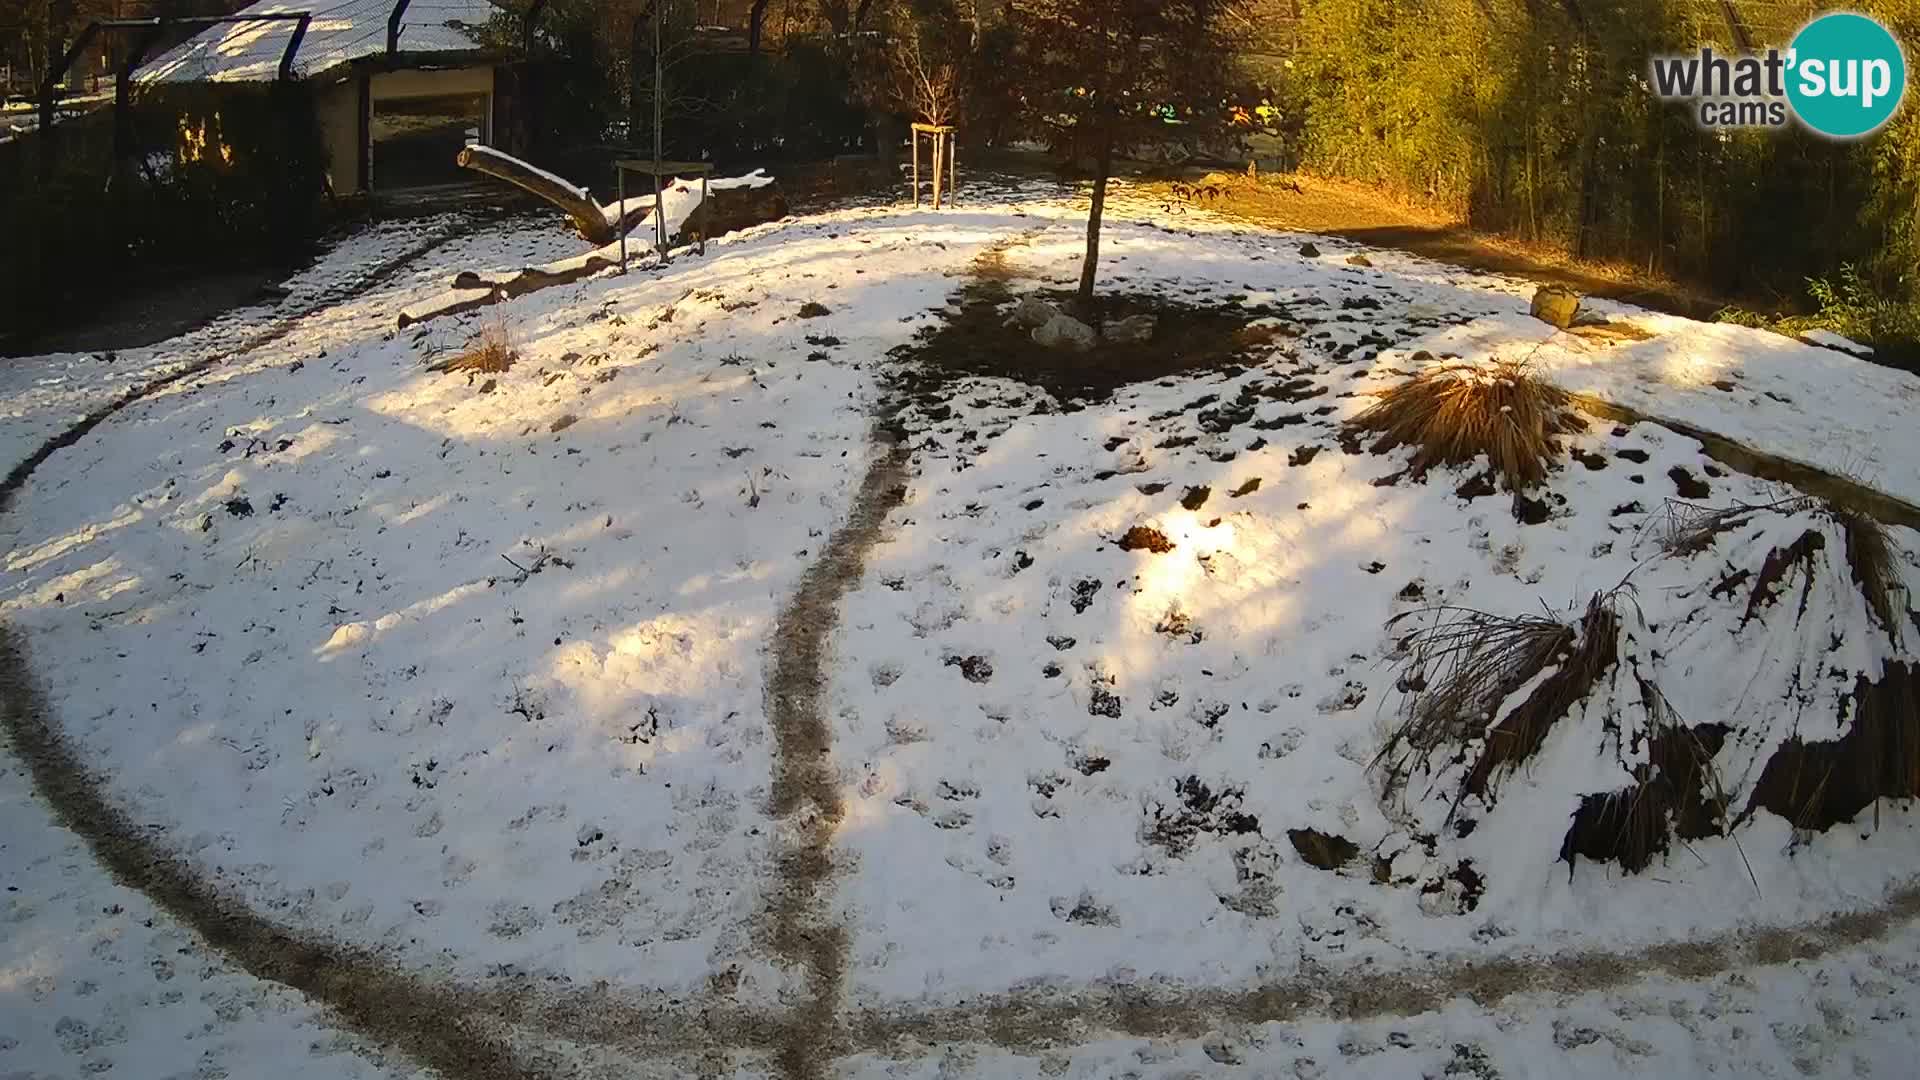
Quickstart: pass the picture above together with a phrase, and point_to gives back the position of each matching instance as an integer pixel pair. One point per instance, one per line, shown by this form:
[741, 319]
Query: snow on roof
[342, 30]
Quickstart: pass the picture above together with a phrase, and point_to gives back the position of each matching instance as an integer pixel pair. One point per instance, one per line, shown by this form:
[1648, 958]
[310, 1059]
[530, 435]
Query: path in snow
[806, 788]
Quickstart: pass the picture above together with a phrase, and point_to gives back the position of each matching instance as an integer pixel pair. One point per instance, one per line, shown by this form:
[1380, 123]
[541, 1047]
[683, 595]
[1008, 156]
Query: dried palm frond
[1816, 785]
[1874, 558]
[1458, 673]
[1687, 528]
[1454, 413]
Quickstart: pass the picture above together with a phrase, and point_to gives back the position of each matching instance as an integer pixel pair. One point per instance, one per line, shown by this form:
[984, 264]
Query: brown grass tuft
[1457, 673]
[1454, 413]
[1588, 652]
[491, 353]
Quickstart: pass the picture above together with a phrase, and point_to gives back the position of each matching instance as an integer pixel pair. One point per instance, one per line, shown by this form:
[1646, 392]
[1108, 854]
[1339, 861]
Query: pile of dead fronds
[1452, 414]
[1873, 558]
[1457, 673]
[1816, 785]
[1675, 793]
[1685, 529]
[490, 353]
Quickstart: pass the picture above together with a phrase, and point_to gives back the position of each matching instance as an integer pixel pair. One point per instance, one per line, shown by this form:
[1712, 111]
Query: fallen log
[732, 203]
[589, 218]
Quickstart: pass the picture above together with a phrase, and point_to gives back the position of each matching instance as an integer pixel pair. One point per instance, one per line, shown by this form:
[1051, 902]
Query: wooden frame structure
[944, 157]
[660, 170]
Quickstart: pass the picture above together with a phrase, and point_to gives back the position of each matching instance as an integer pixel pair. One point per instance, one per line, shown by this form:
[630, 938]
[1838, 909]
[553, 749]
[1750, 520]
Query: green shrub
[1849, 306]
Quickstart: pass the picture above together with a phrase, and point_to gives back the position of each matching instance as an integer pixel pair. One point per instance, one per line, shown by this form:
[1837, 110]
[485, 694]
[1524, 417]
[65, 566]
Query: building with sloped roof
[399, 86]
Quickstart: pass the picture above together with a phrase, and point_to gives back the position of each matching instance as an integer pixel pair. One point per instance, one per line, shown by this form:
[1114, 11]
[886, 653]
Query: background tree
[1110, 75]
[922, 66]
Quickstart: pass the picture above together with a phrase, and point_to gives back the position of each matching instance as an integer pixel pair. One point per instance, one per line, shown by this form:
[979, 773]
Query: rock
[1033, 313]
[1359, 260]
[1308, 251]
[1135, 330]
[1557, 305]
[1065, 332]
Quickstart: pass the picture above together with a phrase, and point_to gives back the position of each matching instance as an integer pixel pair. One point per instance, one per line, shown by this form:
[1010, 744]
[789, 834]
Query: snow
[1254, 658]
[1831, 340]
[683, 198]
[383, 503]
[287, 610]
[341, 31]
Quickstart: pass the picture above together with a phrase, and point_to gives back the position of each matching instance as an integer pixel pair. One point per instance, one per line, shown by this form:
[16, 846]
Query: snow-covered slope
[469, 670]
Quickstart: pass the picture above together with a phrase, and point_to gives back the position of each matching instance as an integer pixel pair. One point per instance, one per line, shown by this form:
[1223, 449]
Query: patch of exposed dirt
[1189, 339]
[1323, 850]
[1142, 538]
[806, 791]
[1175, 824]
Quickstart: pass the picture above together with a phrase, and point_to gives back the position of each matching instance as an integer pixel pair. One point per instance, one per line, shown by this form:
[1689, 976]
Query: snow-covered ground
[468, 670]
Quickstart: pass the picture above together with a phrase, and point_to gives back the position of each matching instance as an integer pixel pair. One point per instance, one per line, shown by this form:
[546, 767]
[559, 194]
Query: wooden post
[939, 164]
[660, 214]
[946, 175]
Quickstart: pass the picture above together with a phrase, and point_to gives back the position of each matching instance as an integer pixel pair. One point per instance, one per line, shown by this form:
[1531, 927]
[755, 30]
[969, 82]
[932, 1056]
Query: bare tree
[1107, 75]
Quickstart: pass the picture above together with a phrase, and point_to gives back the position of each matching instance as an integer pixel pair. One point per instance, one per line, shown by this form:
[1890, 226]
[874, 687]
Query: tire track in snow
[806, 787]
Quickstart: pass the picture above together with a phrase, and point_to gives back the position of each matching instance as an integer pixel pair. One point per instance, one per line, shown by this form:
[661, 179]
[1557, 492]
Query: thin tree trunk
[1090, 268]
[756, 26]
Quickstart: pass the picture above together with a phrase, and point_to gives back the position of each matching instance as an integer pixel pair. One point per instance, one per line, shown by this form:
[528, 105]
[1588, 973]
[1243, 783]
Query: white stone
[1065, 332]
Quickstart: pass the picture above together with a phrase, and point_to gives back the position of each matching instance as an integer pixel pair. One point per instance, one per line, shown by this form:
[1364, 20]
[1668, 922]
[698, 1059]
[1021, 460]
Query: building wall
[402, 84]
[338, 106]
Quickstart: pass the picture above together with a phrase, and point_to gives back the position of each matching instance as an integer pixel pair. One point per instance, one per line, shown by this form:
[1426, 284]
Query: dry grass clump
[1874, 559]
[1454, 413]
[491, 353]
[1458, 672]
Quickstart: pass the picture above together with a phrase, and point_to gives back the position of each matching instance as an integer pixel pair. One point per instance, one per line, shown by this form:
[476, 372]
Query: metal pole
[706, 212]
[621, 179]
[659, 216]
[659, 118]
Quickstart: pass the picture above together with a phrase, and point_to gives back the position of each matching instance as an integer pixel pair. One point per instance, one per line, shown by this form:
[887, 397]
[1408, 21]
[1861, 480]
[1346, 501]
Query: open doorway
[415, 139]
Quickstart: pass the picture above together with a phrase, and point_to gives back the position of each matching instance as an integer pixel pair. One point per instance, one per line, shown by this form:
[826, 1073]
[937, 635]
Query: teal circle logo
[1846, 75]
